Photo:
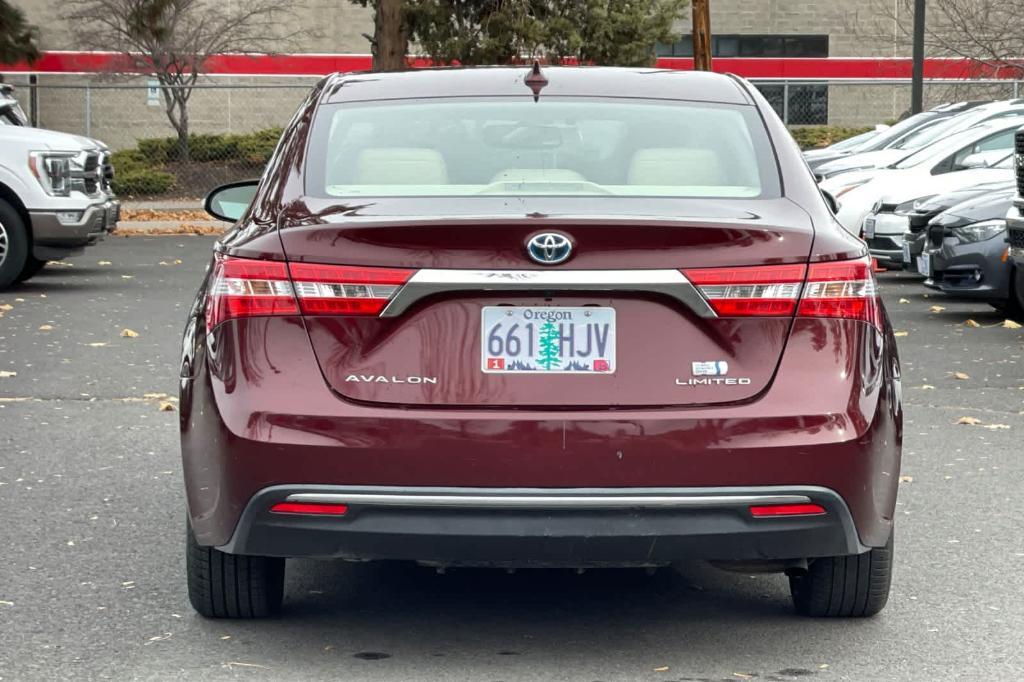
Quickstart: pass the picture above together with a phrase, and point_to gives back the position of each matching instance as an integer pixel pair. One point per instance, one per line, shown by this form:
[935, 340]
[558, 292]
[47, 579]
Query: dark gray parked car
[966, 253]
[920, 213]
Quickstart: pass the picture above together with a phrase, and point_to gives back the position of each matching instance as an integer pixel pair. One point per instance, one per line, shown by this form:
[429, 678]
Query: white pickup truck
[55, 196]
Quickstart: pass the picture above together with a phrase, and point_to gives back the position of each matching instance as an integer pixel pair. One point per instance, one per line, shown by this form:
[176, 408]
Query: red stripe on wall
[320, 64]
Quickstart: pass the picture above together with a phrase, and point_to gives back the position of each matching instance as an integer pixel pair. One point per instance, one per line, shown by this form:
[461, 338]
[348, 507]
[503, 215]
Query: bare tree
[989, 33]
[174, 39]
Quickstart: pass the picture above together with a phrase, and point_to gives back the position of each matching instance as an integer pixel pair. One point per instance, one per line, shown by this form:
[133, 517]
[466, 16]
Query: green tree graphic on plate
[549, 342]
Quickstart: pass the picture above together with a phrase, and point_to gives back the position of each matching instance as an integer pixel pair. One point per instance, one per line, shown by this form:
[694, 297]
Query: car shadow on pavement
[325, 590]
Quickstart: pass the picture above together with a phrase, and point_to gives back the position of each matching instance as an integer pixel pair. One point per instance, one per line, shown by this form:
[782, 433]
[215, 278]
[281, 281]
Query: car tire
[845, 586]
[32, 267]
[13, 245]
[1015, 304]
[222, 585]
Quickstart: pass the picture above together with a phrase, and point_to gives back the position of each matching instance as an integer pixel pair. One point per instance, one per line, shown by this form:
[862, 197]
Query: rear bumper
[546, 527]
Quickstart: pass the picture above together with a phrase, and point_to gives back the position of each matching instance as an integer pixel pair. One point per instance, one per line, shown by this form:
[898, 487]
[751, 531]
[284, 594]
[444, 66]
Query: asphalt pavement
[92, 529]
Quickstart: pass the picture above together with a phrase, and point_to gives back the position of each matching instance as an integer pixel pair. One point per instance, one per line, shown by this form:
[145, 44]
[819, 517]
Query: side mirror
[229, 202]
[833, 203]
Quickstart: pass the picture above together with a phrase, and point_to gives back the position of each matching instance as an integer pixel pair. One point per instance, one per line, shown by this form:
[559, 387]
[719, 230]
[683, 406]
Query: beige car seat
[400, 166]
[676, 166]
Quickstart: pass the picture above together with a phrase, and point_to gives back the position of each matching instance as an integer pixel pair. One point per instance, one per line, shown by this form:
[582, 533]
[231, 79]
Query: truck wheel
[222, 585]
[32, 267]
[13, 245]
[845, 586]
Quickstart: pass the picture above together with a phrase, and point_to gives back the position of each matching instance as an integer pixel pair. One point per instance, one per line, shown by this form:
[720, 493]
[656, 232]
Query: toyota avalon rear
[560, 318]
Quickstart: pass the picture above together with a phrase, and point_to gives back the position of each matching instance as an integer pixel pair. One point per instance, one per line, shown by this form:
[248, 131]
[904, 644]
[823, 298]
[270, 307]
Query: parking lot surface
[92, 528]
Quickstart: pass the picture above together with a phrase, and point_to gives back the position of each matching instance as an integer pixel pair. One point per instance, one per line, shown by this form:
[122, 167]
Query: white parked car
[886, 225]
[55, 198]
[922, 137]
[932, 168]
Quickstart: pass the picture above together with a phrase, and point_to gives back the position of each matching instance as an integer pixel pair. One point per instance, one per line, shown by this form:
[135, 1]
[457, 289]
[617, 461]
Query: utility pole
[701, 35]
[917, 76]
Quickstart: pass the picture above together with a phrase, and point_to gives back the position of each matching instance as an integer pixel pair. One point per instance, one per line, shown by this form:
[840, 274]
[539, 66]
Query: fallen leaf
[128, 333]
[900, 334]
[904, 300]
[166, 406]
[906, 479]
[4, 374]
[98, 344]
[6, 306]
[962, 376]
[968, 421]
[996, 427]
[971, 323]
[662, 669]
[936, 309]
[45, 327]
[102, 262]
[231, 665]
[1010, 324]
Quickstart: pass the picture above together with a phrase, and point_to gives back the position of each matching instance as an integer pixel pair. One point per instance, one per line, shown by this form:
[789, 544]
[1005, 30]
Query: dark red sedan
[576, 317]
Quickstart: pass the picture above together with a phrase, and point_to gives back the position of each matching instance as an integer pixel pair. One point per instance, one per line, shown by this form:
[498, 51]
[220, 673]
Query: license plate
[906, 252]
[869, 228]
[924, 264]
[547, 340]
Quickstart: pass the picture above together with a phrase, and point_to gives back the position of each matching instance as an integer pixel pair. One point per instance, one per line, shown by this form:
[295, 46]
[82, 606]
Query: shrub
[132, 181]
[815, 137]
[158, 149]
[257, 148]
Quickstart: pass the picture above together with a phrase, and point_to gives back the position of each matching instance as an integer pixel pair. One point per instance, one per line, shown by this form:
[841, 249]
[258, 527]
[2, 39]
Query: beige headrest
[400, 166]
[676, 166]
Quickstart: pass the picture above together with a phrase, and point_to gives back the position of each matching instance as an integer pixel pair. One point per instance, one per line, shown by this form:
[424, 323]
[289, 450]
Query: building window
[751, 45]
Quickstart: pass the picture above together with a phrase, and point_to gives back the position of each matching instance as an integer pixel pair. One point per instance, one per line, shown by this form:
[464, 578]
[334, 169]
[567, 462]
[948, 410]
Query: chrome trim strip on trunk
[584, 500]
[427, 282]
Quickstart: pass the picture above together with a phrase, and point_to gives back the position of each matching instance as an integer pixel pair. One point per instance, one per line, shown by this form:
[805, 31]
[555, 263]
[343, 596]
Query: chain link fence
[234, 123]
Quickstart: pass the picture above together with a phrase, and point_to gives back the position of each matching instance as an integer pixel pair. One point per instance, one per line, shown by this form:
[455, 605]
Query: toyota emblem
[549, 248]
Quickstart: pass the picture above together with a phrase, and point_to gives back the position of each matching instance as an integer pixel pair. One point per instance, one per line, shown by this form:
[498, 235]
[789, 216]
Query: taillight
[344, 289]
[841, 289]
[241, 287]
[844, 289]
[760, 291]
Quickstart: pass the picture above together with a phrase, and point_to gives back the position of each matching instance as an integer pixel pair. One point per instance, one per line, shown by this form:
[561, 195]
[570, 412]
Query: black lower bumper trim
[563, 536]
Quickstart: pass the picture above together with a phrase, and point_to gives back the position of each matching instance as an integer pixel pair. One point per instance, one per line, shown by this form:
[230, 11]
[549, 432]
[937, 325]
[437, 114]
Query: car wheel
[845, 586]
[13, 245]
[222, 585]
[32, 267]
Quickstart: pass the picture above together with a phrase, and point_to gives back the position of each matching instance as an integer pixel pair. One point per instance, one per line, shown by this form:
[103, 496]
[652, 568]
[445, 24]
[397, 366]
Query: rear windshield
[557, 146]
